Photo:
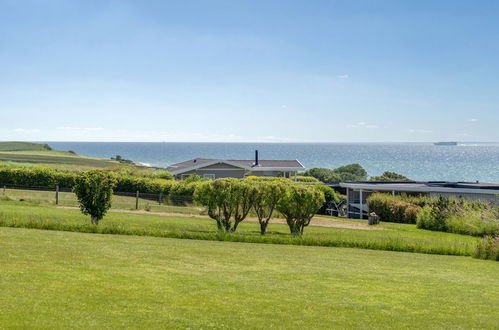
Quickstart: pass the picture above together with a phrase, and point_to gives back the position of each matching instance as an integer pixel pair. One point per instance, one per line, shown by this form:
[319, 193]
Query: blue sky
[358, 71]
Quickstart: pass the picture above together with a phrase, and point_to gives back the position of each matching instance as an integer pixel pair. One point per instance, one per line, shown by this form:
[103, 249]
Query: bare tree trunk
[95, 220]
[236, 223]
[219, 225]
[263, 227]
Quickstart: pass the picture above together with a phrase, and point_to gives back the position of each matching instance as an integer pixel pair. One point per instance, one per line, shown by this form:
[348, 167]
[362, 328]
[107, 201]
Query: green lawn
[118, 202]
[398, 237]
[72, 280]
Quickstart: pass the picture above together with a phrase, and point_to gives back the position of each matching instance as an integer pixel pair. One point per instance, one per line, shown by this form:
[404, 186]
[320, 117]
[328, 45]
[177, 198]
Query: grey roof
[263, 164]
[187, 163]
[270, 163]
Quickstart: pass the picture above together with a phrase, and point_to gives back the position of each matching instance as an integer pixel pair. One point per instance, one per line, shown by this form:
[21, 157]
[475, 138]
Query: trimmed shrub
[94, 191]
[393, 208]
[298, 204]
[144, 185]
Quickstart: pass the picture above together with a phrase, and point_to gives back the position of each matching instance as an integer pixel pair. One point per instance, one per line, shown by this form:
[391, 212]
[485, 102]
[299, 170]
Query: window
[209, 176]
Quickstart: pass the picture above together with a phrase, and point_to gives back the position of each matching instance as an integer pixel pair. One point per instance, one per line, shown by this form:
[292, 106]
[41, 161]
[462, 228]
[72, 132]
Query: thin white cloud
[26, 130]
[472, 120]
[362, 125]
[464, 135]
[420, 131]
[88, 129]
[343, 76]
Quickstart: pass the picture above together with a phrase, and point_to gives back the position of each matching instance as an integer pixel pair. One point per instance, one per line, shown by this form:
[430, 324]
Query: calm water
[419, 161]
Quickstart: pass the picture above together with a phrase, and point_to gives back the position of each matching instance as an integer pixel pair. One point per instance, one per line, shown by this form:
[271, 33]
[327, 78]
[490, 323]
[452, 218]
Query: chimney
[256, 158]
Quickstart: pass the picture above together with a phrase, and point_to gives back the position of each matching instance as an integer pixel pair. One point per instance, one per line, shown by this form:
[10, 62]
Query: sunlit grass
[396, 237]
[60, 280]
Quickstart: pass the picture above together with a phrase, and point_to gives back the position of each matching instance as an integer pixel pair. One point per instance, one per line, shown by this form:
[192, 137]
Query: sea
[469, 162]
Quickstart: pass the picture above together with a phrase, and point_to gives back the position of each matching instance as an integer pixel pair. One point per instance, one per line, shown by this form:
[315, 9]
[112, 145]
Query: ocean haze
[419, 161]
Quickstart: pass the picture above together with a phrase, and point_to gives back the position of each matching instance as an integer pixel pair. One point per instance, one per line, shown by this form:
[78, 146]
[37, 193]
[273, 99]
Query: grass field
[119, 202]
[33, 153]
[397, 237]
[73, 280]
[23, 146]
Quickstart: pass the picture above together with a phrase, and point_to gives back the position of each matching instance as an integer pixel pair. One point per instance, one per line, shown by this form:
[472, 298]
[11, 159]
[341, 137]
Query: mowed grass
[396, 237]
[118, 201]
[66, 280]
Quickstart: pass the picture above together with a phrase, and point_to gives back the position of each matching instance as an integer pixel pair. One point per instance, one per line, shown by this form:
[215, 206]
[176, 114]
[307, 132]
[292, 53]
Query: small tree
[267, 196]
[94, 190]
[243, 198]
[299, 204]
[216, 196]
[228, 201]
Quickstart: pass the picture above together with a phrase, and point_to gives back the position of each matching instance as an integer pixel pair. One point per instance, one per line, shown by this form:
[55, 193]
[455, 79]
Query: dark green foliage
[356, 170]
[393, 208]
[487, 248]
[94, 190]
[122, 160]
[330, 195]
[390, 177]
[352, 172]
[324, 175]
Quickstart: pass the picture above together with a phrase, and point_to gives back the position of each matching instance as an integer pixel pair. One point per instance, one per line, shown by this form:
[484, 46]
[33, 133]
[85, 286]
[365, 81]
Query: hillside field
[25, 153]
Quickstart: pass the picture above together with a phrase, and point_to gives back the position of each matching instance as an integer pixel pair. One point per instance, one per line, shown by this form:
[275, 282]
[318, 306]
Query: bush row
[393, 208]
[460, 216]
[50, 178]
[476, 218]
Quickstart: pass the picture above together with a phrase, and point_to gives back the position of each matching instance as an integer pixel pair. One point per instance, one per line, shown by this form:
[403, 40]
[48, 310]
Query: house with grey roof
[233, 168]
[358, 192]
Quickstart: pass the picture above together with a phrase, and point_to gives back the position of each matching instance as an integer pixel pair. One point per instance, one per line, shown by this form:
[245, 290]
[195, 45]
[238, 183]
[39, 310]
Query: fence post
[160, 198]
[57, 195]
[4, 187]
[137, 200]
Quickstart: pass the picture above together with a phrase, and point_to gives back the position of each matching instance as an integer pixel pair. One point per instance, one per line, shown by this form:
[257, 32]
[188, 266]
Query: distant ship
[445, 143]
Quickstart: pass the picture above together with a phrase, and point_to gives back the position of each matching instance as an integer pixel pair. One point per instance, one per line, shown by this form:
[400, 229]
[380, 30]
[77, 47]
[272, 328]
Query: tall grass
[487, 248]
[336, 238]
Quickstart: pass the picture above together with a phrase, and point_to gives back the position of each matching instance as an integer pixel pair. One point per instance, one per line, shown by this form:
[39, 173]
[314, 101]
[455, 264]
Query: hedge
[50, 178]
[393, 208]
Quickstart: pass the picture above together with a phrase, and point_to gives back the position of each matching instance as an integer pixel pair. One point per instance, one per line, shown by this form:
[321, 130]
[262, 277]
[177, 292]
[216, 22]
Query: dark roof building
[237, 168]
[358, 192]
